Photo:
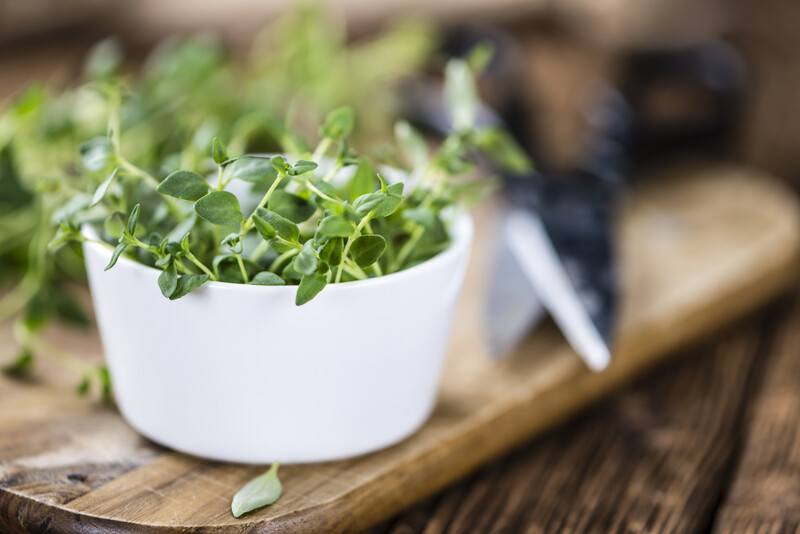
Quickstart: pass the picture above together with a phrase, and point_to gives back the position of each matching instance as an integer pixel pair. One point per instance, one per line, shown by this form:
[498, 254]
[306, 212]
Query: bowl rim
[462, 228]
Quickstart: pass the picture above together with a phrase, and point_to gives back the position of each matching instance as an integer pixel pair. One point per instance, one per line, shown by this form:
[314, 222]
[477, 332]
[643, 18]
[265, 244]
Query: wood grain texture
[654, 458]
[765, 494]
[698, 248]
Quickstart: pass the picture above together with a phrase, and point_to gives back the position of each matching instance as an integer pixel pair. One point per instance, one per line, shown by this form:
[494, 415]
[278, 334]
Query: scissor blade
[512, 305]
[547, 275]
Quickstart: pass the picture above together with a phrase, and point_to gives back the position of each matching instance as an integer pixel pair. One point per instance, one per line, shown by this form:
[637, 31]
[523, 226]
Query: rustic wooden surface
[698, 248]
[765, 493]
[675, 452]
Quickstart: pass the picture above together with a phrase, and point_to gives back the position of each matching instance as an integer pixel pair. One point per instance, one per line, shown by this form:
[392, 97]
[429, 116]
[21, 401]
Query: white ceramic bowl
[239, 373]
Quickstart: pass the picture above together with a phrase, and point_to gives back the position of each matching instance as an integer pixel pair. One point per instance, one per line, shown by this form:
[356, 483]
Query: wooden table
[709, 440]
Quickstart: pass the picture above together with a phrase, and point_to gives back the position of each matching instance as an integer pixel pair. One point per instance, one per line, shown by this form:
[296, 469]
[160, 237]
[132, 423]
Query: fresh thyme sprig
[187, 90]
[318, 217]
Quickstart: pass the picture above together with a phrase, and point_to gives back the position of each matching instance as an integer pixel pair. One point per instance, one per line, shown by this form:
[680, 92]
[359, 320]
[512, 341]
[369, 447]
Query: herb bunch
[322, 216]
[185, 92]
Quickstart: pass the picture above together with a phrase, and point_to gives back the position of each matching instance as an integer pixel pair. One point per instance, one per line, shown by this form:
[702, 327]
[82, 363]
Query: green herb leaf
[425, 217]
[118, 250]
[462, 96]
[306, 260]
[220, 258]
[302, 167]
[363, 181]
[412, 145]
[259, 492]
[37, 312]
[101, 190]
[220, 208]
[188, 283]
[133, 219]
[83, 387]
[218, 152]
[310, 286]
[366, 249]
[480, 56]
[338, 123]
[233, 242]
[185, 185]
[168, 280]
[295, 208]
[326, 188]
[335, 226]
[104, 377]
[280, 164]
[97, 154]
[70, 210]
[500, 147]
[391, 201]
[105, 59]
[19, 366]
[366, 203]
[251, 169]
[63, 235]
[266, 278]
[452, 156]
[114, 225]
[164, 261]
[29, 101]
[264, 228]
[331, 253]
[282, 226]
[381, 203]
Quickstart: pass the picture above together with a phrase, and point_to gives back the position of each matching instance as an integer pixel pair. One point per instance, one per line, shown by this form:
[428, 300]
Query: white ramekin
[239, 373]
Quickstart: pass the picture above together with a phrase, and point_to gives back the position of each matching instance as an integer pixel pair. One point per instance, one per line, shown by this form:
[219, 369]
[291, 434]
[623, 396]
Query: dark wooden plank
[765, 493]
[654, 458]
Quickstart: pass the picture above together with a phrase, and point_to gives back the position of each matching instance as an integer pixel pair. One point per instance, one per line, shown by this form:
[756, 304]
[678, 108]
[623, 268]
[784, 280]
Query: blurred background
[564, 46]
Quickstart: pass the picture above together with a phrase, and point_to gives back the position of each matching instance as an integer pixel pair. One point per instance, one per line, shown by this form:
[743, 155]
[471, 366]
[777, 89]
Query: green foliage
[462, 95]
[167, 117]
[291, 206]
[220, 208]
[310, 286]
[98, 378]
[259, 492]
[338, 124]
[305, 227]
[188, 283]
[367, 249]
[185, 185]
[19, 366]
[218, 151]
[334, 226]
[266, 278]
[498, 145]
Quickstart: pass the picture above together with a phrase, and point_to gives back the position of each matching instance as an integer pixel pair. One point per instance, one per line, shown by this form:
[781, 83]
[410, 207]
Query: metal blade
[579, 314]
[512, 306]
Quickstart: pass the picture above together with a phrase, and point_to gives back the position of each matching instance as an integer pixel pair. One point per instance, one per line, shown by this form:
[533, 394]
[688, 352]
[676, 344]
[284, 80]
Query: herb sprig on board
[301, 217]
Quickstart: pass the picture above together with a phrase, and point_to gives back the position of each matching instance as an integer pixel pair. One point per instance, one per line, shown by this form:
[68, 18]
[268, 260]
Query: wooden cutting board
[698, 248]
